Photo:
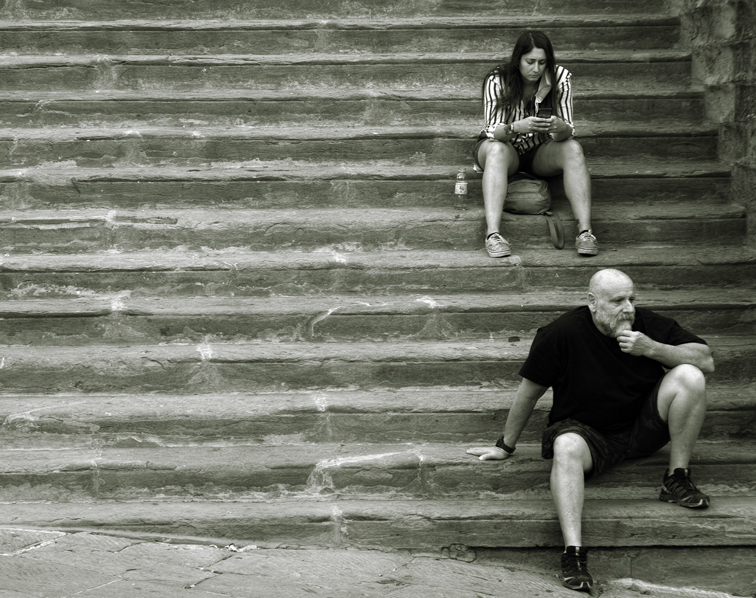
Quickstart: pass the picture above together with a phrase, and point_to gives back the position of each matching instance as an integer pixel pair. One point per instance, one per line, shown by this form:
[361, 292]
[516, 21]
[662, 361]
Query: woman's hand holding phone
[535, 124]
[545, 116]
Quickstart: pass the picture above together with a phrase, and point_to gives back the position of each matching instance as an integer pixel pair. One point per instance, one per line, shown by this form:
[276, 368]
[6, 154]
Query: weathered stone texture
[722, 34]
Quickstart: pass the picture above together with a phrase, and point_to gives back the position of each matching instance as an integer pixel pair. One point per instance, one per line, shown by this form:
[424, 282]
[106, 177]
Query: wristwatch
[502, 445]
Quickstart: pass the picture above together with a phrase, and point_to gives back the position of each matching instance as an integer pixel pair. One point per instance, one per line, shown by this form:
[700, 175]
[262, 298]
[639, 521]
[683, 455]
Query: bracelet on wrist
[503, 445]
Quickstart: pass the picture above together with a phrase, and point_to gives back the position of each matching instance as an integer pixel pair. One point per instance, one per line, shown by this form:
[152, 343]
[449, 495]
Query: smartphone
[544, 113]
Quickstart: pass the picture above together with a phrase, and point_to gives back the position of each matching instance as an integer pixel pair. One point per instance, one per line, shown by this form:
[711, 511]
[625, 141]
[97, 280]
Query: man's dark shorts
[648, 434]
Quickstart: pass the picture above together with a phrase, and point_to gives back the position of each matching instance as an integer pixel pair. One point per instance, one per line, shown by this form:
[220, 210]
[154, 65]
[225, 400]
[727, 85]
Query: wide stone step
[471, 416]
[239, 367]
[421, 34]
[667, 69]
[281, 185]
[257, 274]
[120, 318]
[616, 225]
[296, 9]
[409, 524]
[326, 107]
[347, 470]
[22, 148]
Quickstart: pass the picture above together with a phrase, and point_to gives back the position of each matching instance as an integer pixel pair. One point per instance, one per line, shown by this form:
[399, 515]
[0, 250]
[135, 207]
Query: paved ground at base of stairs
[52, 564]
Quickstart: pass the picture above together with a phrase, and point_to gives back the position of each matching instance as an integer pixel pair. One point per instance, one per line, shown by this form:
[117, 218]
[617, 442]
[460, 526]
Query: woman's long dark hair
[510, 71]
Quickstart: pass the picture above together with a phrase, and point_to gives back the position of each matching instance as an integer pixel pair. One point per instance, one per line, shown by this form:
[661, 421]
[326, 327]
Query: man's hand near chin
[634, 343]
[488, 453]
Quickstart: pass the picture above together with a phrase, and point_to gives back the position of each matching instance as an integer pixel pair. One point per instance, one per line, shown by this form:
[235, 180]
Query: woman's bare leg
[566, 157]
[499, 160]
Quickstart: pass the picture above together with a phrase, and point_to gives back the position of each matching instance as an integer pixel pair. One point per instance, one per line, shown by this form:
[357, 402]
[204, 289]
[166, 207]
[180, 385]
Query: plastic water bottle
[460, 188]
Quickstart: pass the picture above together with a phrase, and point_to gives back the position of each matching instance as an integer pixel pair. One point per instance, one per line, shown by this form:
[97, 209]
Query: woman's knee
[496, 153]
[572, 151]
[560, 156]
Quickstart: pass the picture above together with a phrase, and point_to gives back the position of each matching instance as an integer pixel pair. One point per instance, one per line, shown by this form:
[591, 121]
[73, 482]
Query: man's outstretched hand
[487, 453]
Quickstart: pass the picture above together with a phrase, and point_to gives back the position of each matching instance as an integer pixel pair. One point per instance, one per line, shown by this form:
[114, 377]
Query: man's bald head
[605, 280]
[611, 298]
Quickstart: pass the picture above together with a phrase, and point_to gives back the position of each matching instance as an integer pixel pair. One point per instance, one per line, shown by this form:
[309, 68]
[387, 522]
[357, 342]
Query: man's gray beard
[621, 327]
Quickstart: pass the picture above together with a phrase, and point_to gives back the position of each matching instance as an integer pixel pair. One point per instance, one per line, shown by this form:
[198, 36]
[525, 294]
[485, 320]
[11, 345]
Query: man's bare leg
[682, 404]
[572, 459]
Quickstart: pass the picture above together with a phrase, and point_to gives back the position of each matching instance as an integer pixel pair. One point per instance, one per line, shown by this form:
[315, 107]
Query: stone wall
[722, 36]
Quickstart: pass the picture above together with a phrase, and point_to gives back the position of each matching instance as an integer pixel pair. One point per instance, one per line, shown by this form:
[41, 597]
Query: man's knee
[572, 447]
[687, 377]
[683, 385]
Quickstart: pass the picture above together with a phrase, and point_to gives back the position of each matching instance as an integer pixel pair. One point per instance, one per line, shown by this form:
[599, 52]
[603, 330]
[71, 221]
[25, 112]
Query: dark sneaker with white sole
[679, 488]
[575, 569]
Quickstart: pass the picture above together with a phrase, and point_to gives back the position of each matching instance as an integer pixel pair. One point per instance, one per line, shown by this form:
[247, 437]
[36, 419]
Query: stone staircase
[241, 302]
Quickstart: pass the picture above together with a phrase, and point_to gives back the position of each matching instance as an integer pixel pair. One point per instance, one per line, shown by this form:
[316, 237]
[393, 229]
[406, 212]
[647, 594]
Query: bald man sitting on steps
[626, 382]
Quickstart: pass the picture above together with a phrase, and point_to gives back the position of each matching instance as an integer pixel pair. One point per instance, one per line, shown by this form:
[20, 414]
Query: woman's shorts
[648, 434]
[526, 159]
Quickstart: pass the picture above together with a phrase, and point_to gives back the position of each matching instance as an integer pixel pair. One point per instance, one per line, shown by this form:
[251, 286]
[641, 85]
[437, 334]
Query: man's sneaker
[679, 488]
[586, 243]
[497, 246]
[575, 569]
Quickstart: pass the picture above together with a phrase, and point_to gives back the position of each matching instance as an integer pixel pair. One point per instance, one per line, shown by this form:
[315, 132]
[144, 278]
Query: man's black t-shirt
[594, 382]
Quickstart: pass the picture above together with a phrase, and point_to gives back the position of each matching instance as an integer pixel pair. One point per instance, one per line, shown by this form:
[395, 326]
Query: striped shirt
[493, 89]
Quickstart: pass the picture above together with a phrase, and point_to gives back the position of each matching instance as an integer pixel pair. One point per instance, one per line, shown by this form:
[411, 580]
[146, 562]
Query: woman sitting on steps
[516, 140]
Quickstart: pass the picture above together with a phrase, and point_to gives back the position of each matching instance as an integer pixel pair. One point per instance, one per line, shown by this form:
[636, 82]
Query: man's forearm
[637, 343]
[695, 354]
[527, 396]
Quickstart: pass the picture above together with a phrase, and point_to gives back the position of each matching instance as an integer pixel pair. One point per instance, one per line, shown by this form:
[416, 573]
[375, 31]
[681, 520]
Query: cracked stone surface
[51, 564]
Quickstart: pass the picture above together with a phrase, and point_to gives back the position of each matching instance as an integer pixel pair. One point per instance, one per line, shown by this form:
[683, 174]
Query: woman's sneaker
[586, 243]
[679, 488]
[575, 569]
[497, 246]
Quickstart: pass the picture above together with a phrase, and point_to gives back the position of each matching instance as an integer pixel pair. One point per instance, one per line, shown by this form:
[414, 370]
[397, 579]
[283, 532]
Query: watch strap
[502, 445]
